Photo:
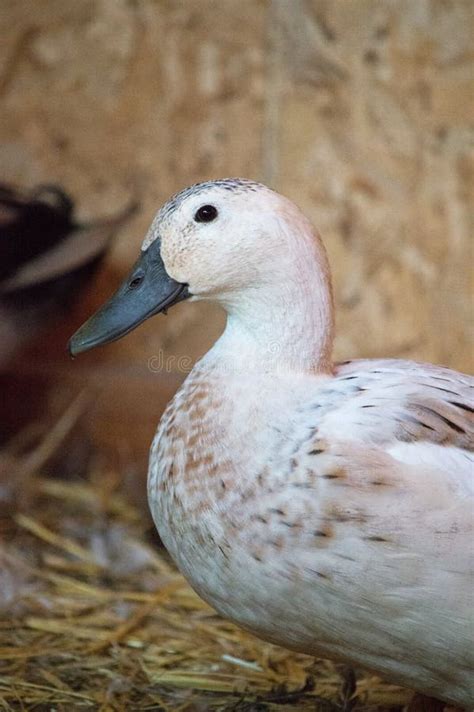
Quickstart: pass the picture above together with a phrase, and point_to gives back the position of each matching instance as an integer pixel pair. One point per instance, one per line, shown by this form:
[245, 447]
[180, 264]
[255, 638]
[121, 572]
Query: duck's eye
[206, 213]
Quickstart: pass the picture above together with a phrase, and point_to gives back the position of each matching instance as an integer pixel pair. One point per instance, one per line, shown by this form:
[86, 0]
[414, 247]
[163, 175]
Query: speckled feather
[325, 508]
[232, 185]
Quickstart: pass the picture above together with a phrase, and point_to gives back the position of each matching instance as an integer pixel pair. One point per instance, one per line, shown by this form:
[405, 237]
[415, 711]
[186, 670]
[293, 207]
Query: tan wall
[358, 110]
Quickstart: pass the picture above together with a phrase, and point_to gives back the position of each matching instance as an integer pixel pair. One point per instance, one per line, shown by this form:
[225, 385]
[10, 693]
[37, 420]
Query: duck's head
[231, 241]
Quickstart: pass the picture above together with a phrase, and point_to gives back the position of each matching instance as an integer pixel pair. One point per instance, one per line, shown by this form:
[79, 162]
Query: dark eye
[206, 213]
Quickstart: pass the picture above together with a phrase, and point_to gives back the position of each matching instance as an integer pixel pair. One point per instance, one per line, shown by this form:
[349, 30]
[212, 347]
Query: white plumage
[325, 508]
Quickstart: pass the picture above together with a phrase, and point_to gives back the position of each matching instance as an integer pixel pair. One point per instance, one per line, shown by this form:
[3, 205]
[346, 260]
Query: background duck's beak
[146, 291]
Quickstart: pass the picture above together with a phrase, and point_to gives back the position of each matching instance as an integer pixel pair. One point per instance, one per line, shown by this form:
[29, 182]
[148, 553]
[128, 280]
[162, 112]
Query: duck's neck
[286, 325]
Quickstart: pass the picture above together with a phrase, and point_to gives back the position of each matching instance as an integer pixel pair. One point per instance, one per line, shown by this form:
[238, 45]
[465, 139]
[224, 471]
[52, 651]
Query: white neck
[286, 324]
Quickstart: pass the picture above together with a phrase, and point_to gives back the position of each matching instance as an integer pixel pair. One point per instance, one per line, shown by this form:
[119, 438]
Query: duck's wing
[382, 491]
[387, 402]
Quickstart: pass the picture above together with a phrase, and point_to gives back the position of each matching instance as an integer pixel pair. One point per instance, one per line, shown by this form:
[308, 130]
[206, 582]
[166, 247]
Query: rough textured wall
[359, 111]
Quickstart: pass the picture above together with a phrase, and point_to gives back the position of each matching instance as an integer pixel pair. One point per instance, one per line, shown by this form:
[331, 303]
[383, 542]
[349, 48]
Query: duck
[324, 507]
[47, 257]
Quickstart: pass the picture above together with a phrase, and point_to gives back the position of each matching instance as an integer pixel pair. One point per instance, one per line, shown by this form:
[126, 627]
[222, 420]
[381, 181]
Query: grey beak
[147, 290]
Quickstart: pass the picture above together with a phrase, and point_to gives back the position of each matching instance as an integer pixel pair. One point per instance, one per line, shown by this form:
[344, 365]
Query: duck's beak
[146, 291]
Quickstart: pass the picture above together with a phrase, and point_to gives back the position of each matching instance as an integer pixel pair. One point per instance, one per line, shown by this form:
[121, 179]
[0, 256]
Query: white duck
[327, 508]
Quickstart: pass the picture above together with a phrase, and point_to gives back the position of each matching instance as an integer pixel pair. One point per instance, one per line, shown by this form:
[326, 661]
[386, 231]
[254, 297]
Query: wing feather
[393, 401]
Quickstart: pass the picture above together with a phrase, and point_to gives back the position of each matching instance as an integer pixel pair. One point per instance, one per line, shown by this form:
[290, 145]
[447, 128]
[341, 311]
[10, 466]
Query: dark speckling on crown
[233, 185]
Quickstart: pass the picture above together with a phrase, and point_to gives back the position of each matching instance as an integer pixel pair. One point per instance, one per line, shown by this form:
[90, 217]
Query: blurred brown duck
[46, 258]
